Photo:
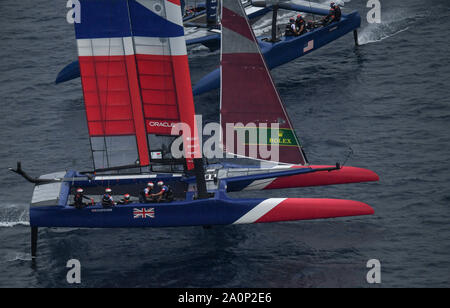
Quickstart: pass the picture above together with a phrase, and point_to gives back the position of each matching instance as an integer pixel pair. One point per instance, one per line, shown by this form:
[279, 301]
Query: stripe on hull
[291, 209]
[259, 211]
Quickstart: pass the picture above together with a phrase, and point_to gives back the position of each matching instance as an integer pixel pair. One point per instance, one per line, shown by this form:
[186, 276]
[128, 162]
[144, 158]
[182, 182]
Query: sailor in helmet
[107, 199]
[291, 29]
[78, 199]
[125, 200]
[165, 194]
[334, 15]
[146, 194]
[300, 25]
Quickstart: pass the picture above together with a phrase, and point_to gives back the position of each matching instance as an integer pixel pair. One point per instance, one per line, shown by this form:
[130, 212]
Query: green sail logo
[267, 136]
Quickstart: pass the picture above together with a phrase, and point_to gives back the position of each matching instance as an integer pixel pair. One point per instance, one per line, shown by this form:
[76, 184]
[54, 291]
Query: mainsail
[136, 80]
[250, 105]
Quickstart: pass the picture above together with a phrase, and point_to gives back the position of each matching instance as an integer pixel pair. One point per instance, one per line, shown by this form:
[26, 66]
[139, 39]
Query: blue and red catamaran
[137, 87]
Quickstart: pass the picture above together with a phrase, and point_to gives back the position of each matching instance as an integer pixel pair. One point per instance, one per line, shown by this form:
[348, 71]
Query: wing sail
[136, 79]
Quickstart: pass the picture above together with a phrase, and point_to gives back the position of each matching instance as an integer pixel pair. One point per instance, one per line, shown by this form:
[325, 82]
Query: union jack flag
[144, 213]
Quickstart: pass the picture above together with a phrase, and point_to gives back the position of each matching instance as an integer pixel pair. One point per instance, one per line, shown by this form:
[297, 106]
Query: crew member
[78, 199]
[300, 25]
[337, 12]
[334, 15]
[311, 25]
[146, 194]
[125, 200]
[165, 193]
[291, 29]
[107, 199]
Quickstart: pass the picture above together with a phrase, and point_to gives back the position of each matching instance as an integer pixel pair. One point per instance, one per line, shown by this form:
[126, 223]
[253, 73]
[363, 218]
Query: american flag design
[309, 47]
[143, 213]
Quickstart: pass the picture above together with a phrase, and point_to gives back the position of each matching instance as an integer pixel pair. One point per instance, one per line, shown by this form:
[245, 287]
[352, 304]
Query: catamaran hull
[345, 175]
[197, 213]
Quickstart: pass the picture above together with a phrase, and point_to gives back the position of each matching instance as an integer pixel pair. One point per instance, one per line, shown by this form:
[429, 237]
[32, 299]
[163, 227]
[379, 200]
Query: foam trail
[392, 24]
[369, 37]
[20, 257]
[10, 224]
[14, 215]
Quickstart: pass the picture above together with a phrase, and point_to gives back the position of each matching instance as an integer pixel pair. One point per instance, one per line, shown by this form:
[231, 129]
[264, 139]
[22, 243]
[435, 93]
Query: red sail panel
[250, 103]
[159, 97]
[106, 95]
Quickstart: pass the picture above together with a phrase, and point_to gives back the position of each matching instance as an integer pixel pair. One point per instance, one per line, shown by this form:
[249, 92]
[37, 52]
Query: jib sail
[136, 80]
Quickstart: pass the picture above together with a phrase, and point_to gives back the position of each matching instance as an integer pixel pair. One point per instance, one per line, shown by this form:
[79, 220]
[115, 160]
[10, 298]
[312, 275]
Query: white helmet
[150, 184]
[160, 183]
[108, 190]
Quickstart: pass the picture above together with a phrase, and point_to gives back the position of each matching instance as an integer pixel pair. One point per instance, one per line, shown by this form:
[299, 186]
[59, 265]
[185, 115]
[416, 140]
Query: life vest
[78, 201]
[289, 31]
[125, 201]
[299, 23]
[107, 200]
[147, 191]
[78, 198]
[168, 193]
[337, 13]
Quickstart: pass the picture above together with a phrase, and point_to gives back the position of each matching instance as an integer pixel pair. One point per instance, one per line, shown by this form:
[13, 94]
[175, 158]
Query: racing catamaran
[137, 90]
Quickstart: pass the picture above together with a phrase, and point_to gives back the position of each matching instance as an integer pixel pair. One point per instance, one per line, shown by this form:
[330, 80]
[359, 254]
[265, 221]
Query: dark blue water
[388, 100]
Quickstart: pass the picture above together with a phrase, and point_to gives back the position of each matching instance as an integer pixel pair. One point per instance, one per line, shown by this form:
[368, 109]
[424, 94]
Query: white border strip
[259, 211]
[173, 46]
